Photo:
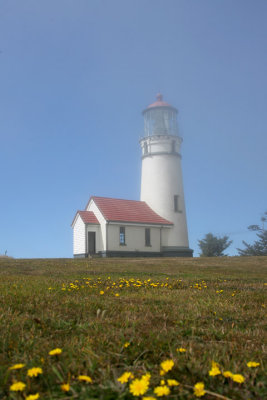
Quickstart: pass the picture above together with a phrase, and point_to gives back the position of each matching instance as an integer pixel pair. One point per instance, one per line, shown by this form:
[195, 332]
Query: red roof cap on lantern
[159, 103]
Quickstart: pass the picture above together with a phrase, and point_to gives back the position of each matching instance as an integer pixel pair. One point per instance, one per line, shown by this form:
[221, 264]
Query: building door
[91, 242]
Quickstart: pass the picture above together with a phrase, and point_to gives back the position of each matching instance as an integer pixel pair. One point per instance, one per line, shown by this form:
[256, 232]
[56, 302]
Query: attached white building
[154, 226]
[116, 227]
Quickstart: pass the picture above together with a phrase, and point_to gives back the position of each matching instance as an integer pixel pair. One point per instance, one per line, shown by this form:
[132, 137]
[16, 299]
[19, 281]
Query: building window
[176, 203]
[147, 237]
[122, 235]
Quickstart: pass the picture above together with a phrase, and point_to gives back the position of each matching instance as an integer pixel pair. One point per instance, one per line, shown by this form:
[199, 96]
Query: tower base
[177, 251]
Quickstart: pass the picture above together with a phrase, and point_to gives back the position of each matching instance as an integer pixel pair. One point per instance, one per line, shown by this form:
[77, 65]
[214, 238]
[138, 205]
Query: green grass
[224, 322]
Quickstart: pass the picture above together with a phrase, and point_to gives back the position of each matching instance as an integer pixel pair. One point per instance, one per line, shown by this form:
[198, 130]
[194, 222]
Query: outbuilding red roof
[88, 217]
[128, 211]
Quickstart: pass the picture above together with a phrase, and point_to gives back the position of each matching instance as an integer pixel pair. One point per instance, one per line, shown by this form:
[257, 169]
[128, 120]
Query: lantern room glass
[160, 121]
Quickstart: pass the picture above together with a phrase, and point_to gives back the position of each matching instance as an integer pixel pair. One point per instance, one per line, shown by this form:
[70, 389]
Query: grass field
[163, 321]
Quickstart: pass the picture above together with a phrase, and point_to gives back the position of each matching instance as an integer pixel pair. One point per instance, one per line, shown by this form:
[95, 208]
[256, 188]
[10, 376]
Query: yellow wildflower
[167, 365]
[101, 292]
[32, 372]
[146, 376]
[17, 366]
[161, 372]
[228, 374]
[162, 382]
[181, 350]
[139, 387]
[214, 364]
[126, 344]
[124, 378]
[17, 387]
[65, 387]
[33, 396]
[238, 378]
[162, 391]
[214, 369]
[253, 364]
[199, 389]
[55, 352]
[172, 382]
[148, 398]
[85, 378]
[117, 294]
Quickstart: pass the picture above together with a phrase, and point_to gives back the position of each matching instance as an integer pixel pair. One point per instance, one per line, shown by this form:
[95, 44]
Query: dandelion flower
[126, 344]
[34, 372]
[214, 369]
[148, 398]
[253, 364]
[139, 387]
[181, 350]
[65, 387]
[55, 352]
[17, 387]
[172, 382]
[146, 377]
[162, 382]
[228, 374]
[17, 366]
[101, 292]
[238, 378]
[167, 365]
[162, 391]
[124, 378]
[33, 396]
[199, 389]
[85, 378]
[117, 294]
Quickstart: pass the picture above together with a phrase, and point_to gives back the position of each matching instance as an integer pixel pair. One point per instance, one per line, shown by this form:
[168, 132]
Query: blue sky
[75, 76]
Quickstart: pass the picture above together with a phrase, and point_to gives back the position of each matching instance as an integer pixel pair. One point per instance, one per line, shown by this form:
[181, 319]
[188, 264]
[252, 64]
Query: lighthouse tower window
[176, 203]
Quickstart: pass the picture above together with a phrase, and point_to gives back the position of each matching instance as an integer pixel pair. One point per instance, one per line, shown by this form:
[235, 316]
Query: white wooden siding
[101, 246]
[134, 238]
[79, 236]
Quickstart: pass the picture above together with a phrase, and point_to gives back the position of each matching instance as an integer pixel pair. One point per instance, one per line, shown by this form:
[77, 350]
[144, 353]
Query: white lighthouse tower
[161, 181]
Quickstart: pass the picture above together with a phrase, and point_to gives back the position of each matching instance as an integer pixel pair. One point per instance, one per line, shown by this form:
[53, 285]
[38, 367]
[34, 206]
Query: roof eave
[74, 219]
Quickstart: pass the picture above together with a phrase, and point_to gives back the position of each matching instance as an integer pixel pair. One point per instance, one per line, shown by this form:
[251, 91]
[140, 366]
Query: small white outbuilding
[117, 227]
[154, 226]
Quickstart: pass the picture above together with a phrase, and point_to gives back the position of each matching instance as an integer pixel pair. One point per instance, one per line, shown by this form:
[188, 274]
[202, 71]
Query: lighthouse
[154, 226]
[161, 177]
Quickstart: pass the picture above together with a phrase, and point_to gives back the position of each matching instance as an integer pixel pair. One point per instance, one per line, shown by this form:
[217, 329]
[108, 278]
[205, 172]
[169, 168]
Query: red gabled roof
[88, 217]
[128, 211]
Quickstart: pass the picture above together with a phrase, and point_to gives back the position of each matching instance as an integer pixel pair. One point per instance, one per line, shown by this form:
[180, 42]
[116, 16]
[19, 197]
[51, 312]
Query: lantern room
[160, 118]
